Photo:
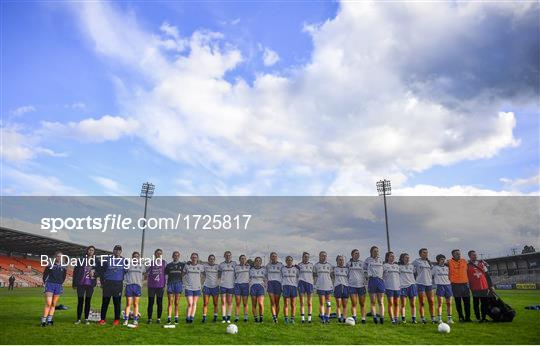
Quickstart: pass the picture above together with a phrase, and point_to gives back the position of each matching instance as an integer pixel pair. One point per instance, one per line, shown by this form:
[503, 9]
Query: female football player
[323, 282]
[392, 285]
[257, 281]
[226, 286]
[444, 288]
[424, 283]
[53, 278]
[289, 280]
[174, 271]
[374, 267]
[84, 281]
[241, 286]
[341, 291]
[155, 275]
[210, 287]
[357, 284]
[192, 273]
[408, 286]
[133, 281]
[305, 286]
[273, 274]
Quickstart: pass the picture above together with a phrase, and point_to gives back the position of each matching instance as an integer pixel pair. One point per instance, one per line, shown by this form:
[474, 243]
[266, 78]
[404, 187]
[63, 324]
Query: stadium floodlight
[147, 191]
[384, 188]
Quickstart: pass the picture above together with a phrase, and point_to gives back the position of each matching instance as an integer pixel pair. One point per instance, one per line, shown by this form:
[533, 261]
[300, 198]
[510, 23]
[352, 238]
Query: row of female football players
[220, 284]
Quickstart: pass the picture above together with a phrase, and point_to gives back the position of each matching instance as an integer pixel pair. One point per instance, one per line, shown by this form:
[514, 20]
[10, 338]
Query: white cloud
[22, 110]
[270, 57]
[112, 187]
[36, 184]
[354, 111]
[106, 128]
[457, 190]
[520, 183]
[18, 146]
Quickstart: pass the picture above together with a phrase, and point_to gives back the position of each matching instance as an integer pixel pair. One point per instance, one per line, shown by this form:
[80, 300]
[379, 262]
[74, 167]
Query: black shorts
[85, 291]
[155, 291]
[113, 288]
[461, 290]
[480, 294]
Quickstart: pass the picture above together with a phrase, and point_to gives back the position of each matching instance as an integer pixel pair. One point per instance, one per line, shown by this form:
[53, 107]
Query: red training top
[477, 276]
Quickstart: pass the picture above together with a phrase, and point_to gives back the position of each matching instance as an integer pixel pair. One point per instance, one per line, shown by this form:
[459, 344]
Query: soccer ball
[443, 328]
[232, 329]
[350, 321]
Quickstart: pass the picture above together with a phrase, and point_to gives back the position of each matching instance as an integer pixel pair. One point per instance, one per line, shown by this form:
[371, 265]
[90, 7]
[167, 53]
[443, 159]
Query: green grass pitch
[20, 311]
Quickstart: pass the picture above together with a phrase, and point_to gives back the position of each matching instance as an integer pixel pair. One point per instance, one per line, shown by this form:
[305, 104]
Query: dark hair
[135, 253]
[305, 253]
[402, 258]
[470, 252]
[211, 255]
[338, 256]
[353, 250]
[371, 249]
[286, 258]
[422, 249]
[387, 255]
[455, 250]
[273, 253]
[194, 253]
[241, 257]
[88, 248]
[440, 256]
[157, 251]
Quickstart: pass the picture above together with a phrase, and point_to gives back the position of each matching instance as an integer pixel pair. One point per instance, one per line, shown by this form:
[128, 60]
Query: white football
[443, 328]
[232, 329]
[350, 321]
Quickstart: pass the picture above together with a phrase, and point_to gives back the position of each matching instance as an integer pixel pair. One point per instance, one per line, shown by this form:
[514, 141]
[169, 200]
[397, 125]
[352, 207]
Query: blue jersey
[56, 274]
[113, 269]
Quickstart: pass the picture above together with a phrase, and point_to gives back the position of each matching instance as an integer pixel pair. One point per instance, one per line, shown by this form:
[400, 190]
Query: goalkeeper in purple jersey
[155, 275]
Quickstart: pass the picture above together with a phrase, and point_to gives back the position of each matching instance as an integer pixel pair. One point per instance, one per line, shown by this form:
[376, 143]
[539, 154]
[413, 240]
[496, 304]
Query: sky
[270, 98]
[494, 226]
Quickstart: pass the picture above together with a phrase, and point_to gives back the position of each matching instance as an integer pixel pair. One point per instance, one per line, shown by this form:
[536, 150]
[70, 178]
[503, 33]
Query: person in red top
[480, 284]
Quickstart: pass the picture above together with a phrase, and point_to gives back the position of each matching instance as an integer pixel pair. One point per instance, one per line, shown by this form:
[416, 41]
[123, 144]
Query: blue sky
[269, 98]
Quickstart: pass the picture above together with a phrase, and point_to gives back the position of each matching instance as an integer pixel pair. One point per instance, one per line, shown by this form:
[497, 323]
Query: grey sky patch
[291, 225]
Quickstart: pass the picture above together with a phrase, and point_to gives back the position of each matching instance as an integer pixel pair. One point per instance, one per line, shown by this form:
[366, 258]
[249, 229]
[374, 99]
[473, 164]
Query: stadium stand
[19, 255]
[521, 270]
